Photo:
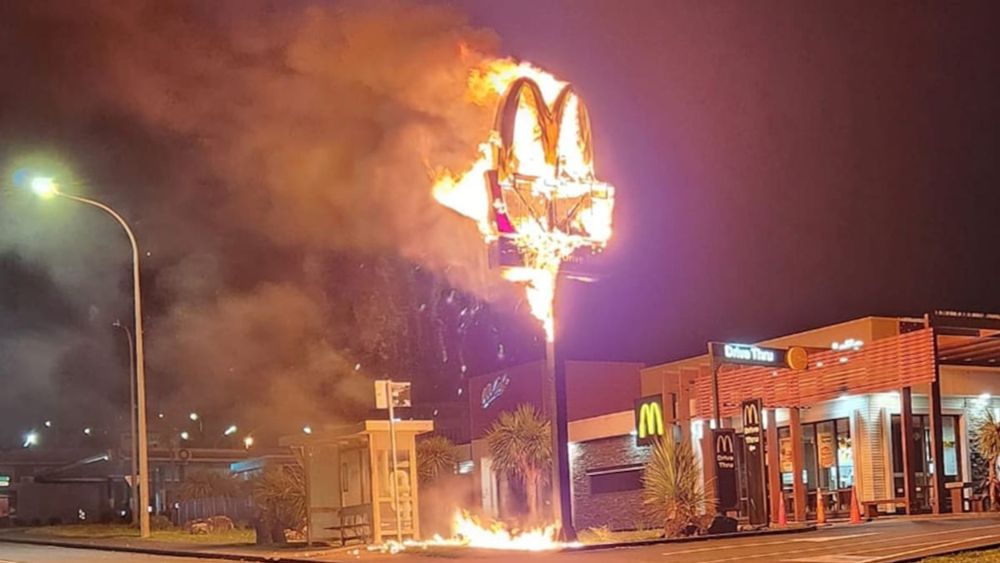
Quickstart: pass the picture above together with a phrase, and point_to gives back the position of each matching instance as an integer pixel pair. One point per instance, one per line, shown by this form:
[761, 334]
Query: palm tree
[208, 484]
[673, 492]
[988, 444]
[435, 455]
[521, 445]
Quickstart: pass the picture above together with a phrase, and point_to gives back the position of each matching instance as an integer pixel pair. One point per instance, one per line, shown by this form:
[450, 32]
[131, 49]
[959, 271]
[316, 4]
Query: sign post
[753, 433]
[388, 395]
[725, 469]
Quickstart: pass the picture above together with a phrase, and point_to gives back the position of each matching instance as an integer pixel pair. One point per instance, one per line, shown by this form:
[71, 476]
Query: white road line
[761, 544]
[796, 552]
[937, 546]
[835, 538]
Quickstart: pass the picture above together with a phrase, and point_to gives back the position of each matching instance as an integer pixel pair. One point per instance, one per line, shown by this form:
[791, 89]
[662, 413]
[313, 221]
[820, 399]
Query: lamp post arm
[140, 384]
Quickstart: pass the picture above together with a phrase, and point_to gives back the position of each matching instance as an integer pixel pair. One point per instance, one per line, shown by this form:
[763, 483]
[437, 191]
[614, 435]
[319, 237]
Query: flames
[532, 186]
[467, 531]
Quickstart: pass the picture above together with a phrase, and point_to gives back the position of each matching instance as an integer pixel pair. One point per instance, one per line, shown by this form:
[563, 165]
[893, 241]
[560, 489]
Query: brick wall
[619, 510]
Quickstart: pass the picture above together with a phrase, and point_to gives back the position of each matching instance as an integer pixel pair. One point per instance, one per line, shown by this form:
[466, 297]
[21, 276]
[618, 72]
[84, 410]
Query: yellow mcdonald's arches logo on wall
[650, 420]
[724, 444]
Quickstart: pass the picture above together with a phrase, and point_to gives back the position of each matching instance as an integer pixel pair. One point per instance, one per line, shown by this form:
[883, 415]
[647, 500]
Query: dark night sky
[780, 165]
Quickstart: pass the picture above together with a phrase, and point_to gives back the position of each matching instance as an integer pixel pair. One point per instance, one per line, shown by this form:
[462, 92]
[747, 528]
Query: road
[879, 542]
[19, 553]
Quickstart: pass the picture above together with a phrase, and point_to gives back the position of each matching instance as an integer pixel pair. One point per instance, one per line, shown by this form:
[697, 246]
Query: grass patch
[990, 556]
[112, 531]
[605, 535]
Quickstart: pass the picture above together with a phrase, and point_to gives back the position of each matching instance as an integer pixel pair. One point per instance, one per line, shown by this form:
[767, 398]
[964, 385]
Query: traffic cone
[855, 511]
[820, 508]
[782, 516]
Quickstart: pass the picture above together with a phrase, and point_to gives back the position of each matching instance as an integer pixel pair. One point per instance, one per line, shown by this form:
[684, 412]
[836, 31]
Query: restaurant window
[827, 455]
[921, 441]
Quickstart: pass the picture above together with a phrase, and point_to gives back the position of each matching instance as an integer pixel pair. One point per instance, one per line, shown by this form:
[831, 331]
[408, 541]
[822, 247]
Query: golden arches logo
[751, 416]
[650, 420]
[549, 121]
[724, 444]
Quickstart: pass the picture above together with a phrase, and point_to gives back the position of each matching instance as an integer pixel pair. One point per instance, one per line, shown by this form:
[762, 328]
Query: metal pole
[392, 446]
[551, 405]
[134, 485]
[139, 363]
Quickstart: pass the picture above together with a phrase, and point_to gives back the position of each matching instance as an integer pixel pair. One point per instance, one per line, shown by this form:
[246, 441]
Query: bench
[869, 508]
[355, 523]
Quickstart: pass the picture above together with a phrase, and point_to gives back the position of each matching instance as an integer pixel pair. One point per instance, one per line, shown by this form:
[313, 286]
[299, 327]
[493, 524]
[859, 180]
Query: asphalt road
[878, 542]
[20, 553]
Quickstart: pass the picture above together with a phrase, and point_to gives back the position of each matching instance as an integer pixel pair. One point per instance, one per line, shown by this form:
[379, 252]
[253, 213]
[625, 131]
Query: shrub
[672, 488]
[160, 522]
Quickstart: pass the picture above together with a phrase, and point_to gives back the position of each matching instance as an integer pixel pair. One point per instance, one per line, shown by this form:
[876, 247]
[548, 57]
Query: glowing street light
[87, 431]
[185, 435]
[48, 424]
[47, 187]
[230, 431]
[307, 429]
[30, 439]
[193, 416]
[248, 442]
[44, 187]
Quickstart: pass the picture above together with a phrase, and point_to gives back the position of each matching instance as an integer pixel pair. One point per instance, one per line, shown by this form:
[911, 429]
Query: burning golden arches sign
[532, 190]
[548, 121]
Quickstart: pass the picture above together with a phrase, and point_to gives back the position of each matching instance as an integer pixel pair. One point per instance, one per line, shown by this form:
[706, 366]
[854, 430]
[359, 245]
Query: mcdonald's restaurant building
[880, 406]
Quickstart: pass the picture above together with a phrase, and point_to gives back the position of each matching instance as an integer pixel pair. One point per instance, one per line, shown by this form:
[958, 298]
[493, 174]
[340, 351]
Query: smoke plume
[270, 156]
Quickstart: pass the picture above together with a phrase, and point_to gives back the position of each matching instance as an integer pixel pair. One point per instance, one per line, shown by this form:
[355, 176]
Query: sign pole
[395, 462]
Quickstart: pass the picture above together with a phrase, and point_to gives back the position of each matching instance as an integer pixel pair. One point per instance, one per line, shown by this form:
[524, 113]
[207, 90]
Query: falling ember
[532, 191]
[468, 532]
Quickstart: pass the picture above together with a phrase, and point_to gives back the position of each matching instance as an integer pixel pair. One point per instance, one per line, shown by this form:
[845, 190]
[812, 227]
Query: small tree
[988, 443]
[673, 492]
[435, 455]
[521, 445]
[280, 497]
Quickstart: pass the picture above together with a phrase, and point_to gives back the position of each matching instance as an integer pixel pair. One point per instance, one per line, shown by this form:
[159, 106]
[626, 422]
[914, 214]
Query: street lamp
[30, 439]
[131, 418]
[47, 187]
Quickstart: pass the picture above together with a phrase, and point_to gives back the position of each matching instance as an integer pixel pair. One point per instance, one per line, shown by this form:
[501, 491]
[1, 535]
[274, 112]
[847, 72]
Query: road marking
[835, 538]
[835, 559]
[795, 553]
[936, 546]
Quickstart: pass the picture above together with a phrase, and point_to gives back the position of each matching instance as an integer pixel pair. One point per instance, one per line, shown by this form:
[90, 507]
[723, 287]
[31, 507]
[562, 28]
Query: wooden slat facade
[884, 365]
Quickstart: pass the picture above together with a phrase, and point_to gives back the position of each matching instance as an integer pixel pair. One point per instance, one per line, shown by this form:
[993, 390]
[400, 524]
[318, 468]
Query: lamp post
[47, 187]
[131, 419]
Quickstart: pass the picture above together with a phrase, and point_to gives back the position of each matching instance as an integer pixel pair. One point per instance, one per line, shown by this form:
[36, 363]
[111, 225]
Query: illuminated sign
[4, 480]
[748, 354]
[742, 352]
[725, 468]
[493, 390]
[849, 344]
[753, 458]
[648, 419]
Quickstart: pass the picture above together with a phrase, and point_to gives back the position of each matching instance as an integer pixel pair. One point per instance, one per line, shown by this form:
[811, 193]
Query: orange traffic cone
[820, 508]
[855, 511]
[782, 516]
